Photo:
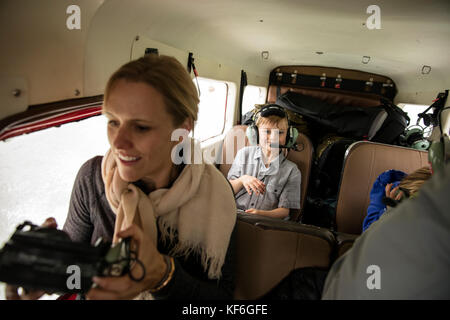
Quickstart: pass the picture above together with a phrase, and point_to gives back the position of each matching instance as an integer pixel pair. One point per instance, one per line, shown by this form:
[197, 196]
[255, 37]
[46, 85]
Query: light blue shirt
[282, 180]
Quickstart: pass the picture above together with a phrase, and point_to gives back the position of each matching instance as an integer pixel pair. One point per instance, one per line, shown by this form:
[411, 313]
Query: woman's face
[139, 131]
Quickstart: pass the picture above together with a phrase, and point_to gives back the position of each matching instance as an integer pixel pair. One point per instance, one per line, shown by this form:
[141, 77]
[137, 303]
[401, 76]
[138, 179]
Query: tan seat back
[268, 249]
[302, 158]
[364, 162]
[232, 143]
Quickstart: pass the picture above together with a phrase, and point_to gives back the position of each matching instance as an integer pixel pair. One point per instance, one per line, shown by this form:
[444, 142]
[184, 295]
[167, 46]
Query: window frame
[243, 97]
[230, 95]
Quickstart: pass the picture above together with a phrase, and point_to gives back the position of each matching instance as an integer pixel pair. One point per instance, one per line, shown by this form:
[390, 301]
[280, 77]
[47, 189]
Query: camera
[46, 259]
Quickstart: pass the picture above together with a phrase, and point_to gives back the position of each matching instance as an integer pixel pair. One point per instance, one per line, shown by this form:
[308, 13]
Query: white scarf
[199, 206]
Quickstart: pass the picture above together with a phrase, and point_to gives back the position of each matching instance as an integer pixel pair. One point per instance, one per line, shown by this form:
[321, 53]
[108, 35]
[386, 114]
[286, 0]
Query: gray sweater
[90, 217]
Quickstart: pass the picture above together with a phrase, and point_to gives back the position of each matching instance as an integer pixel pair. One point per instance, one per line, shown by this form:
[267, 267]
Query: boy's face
[272, 133]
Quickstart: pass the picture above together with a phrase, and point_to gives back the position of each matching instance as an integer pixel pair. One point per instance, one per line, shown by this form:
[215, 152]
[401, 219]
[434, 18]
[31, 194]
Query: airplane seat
[303, 158]
[344, 242]
[364, 162]
[232, 143]
[269, 249]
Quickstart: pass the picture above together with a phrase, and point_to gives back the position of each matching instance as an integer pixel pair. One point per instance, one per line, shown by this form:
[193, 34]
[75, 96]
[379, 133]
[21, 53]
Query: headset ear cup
[413, 135]
[292, 136]
[252, 135]
[421, 144]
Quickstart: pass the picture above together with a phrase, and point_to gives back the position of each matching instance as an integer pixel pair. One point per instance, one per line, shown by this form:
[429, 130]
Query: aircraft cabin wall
[48, 62]
[40, 56]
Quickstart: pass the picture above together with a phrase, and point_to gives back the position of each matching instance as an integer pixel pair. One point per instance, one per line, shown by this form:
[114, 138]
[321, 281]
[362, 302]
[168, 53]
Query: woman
[391, 187]
[180, 217]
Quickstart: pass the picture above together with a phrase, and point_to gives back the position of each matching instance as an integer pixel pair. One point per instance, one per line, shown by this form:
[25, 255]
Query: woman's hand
[109, 288]
[251, 183]
[13, 292]
[394, 194]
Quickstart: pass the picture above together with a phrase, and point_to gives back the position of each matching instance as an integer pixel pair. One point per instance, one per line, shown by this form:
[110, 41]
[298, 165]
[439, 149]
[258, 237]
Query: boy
[263, 180]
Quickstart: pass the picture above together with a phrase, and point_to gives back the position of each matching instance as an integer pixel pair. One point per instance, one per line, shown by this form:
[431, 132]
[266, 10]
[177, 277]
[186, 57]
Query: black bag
[348, 121]
[393, 126]
[327, 168]
[321, 201]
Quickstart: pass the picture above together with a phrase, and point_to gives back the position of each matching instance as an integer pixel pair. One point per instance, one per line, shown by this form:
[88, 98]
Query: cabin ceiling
[413, 33]
[50, 62]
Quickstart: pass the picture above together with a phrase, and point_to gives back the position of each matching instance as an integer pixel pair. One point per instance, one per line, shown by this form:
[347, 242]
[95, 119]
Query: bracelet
[167, 276]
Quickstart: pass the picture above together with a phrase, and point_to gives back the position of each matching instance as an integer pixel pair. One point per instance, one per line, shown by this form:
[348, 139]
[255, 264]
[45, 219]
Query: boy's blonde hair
[272, 120]
[414, 181]
[168, 77]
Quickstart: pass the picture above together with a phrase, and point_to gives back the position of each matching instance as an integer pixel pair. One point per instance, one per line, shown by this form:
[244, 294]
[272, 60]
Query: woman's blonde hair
[168, 77]
[414, 181]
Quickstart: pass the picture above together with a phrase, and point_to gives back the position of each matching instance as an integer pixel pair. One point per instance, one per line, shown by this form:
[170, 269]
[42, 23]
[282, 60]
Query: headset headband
[271, 110]
[268, 110]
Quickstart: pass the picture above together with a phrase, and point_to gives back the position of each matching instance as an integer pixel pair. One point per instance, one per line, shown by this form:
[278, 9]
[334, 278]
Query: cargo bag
[328, 166]
[394, 125]
[348, 121]
[325, 177]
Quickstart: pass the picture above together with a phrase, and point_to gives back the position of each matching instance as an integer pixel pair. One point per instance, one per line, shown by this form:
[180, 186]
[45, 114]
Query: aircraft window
[253, 95]
[37, 171]
[413, 110]
[211, 109]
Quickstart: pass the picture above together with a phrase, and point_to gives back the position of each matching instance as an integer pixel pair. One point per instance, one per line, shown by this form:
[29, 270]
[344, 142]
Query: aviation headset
[269, 110]
[413, 137]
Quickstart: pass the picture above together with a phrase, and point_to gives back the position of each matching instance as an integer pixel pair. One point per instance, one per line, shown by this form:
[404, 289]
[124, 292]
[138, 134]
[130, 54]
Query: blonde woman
[180, 216]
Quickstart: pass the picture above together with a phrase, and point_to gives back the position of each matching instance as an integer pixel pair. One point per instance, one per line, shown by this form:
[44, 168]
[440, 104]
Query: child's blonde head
[414, 181]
